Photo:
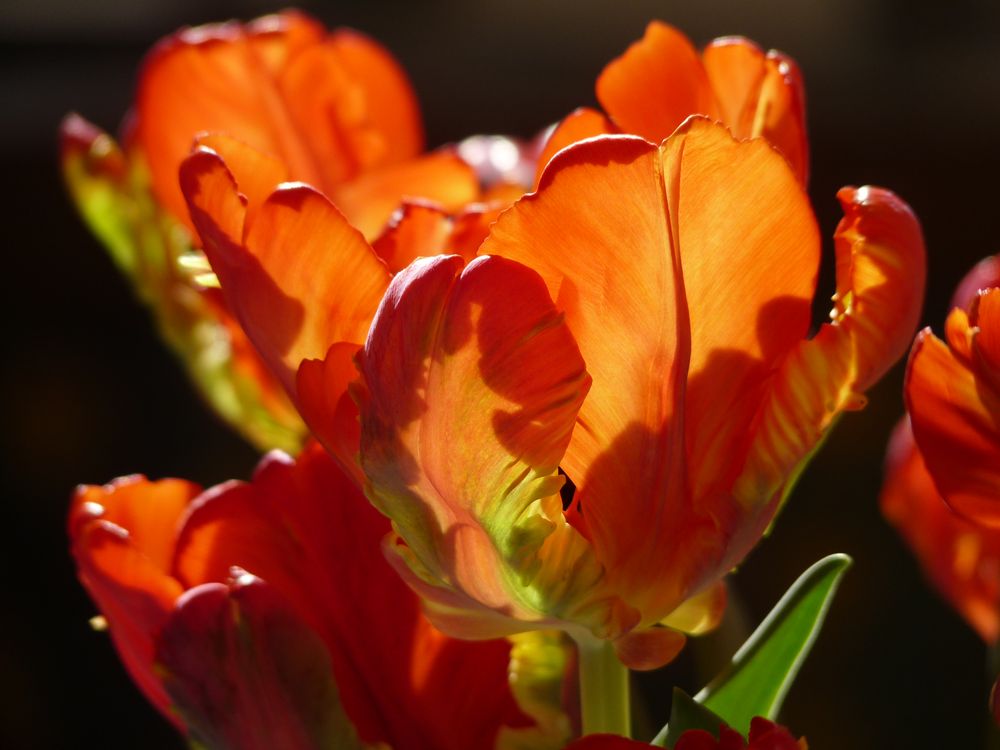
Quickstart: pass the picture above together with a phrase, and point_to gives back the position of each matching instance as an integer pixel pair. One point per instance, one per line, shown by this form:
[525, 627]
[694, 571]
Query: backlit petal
[122, 537]
[955, 412]
[760, 95]
[369, 201]
[471, 385]
[577, 126]
[656, 84]
[220, 79]
[299, 277]
[880, 276]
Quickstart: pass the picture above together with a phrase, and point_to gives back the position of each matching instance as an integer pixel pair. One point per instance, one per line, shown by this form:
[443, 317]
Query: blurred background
[897, 95]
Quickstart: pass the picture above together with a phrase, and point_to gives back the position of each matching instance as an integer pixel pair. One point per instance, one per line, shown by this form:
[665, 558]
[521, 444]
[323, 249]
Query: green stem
[604, 689]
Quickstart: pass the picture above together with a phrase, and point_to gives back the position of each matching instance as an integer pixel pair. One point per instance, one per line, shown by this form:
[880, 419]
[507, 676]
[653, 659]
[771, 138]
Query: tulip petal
[122, 536]
[306, 529]
[420, 229]
[577, 126]
[760, 95]
[220, 79]
[606, 742]
[370, 200]
[471, 383]
[955, 411]
[715, 232]
[244, 671]
[656, 84]
[299, 278]
[880, 275]
[327, 407]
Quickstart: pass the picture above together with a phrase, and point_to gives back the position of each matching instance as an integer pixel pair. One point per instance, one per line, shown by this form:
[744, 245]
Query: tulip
[591, 423]
[764, 735]
[302, 281]
[263, 615]
[334, 110]
[661, 80]
[961, 556]
[952, 394]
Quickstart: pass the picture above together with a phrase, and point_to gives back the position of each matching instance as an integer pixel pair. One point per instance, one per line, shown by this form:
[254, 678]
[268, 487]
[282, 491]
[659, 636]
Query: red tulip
[263, 615]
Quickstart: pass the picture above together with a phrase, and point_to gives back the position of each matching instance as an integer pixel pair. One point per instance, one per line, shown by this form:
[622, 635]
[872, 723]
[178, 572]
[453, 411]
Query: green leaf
[762, 671]
[686, 713]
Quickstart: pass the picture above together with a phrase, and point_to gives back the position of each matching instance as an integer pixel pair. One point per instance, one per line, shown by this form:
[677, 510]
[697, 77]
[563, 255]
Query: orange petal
[955, 413]
[327, 407]
[880, 276]
[123, 536]
[575, 127]
[960, 558]
[219, 79]
[881, 269]
[256, 173]
[369, 201]
[471, 383]
[656, 84]
[299, 278]
[415, 230]
[649, 649]
[760, 95]
[715, 233]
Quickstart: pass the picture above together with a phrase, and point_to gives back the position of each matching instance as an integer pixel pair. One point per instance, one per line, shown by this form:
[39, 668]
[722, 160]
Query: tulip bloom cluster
[579, 407]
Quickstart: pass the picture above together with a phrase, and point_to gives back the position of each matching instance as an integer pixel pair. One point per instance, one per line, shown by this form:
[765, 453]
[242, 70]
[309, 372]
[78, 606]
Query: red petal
[955, 411]
[306, 529]
[243, 671]
[122, 539]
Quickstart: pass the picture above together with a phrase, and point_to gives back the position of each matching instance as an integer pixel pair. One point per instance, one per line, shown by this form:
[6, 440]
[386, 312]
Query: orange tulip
[764, 735]
[639, 326]
[953, 397]
[263, 615]
[661, 80]
[334, 110]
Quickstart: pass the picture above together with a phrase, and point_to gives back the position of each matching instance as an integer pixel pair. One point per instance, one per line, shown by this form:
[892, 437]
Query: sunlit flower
[661, 80]
[639, 325]
[263, 615]
[334, 110]
[953, 397]
[764, 735]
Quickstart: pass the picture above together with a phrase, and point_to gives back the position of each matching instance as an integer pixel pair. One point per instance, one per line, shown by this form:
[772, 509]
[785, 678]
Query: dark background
[897, 95]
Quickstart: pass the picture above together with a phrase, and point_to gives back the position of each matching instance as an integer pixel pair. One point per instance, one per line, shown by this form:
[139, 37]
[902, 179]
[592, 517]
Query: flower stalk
[604, 689]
